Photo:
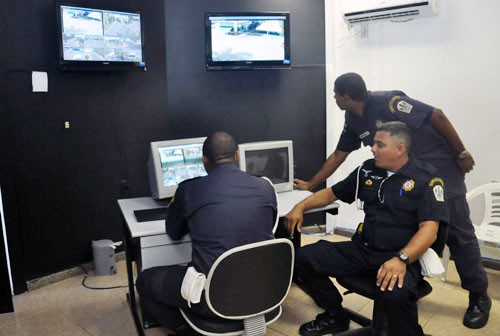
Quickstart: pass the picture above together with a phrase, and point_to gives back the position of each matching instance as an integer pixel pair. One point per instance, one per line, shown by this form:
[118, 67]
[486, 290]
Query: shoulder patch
[438, 193]
[404, 106]
[436, 180]
[391, 103]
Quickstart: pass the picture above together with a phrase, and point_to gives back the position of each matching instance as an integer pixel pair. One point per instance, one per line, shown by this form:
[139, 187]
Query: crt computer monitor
[272, 159]
[173, 161]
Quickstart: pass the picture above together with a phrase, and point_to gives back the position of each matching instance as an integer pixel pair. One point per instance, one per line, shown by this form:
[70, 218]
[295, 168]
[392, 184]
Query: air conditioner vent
[365, 11]
[388, 16]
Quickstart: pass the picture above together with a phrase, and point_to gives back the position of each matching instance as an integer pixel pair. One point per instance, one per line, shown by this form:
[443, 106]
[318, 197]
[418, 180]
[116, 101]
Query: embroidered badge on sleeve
[438, 193]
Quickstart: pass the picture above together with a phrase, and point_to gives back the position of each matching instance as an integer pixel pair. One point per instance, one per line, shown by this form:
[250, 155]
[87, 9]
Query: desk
[148, 245]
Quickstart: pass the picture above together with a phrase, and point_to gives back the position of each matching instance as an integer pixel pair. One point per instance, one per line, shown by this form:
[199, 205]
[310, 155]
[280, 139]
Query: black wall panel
[60, 188]
[251, 105]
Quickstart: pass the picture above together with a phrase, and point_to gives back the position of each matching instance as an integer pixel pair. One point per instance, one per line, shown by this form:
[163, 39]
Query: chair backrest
[250, 280]
[486, 222]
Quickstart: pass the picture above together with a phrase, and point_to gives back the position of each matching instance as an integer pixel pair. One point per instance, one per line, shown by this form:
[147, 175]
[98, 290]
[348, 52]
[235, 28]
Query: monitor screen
[247, 40]
[272, 163]
[272, 159]
[172, 162]
[99, 37]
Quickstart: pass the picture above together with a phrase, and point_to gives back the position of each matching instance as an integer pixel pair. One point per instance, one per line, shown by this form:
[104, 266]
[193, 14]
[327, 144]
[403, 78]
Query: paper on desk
[40, 81]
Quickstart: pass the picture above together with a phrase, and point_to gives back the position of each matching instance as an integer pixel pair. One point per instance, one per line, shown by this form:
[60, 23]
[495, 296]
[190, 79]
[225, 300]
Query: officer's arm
[394, 270]
[316, 200]
[176, 224]
[441, 124]
[422, 240]
[328, 168]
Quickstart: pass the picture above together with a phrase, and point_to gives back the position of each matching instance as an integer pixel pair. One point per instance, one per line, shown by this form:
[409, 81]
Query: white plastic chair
[484, 203]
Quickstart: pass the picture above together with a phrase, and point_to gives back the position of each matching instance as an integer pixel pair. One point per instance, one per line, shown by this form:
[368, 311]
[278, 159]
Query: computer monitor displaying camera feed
[171, 162]
[247, 40]
[97, 35]
[272, 159]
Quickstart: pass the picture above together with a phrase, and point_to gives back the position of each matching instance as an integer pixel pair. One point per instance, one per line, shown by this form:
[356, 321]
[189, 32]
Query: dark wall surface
[60, 188]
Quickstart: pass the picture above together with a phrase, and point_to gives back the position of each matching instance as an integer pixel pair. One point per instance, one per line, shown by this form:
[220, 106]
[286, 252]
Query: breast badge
[408, 185]
[368, 182]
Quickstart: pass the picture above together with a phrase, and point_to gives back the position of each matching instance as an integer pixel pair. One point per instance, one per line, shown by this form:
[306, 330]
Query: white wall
[450, 61]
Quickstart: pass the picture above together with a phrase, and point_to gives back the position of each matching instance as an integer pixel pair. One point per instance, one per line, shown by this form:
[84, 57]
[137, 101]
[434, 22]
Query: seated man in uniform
[403, 204]
[225, 209]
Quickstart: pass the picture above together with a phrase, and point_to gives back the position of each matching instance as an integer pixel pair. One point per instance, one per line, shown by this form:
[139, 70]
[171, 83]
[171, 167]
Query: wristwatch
[404, 257]
[463, 154]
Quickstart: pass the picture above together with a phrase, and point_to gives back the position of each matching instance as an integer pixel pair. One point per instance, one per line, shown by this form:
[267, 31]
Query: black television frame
[246, 65]
[77, 65]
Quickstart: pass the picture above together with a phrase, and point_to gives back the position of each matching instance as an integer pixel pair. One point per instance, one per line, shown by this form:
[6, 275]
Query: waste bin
[104, 256]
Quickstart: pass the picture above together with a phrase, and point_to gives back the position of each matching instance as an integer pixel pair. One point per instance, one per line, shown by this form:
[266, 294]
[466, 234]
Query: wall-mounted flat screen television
[99, 39]
[246, 41]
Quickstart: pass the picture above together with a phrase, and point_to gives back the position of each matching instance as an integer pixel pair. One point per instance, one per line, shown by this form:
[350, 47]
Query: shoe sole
[331, 331]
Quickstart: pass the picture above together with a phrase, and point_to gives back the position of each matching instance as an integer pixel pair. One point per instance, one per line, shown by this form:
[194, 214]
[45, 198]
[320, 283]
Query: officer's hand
[392, 271]
[300, 184]
[294, 219]
[466, 164]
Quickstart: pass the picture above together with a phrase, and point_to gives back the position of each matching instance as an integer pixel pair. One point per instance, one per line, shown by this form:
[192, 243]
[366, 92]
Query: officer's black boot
[326, 323]
[478, 312]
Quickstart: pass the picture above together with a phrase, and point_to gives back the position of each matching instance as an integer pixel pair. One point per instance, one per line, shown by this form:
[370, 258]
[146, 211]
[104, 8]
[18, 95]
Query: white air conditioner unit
[366, 11]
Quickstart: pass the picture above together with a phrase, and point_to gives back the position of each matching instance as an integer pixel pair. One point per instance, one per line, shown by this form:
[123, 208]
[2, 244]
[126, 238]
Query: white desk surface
[286, 201]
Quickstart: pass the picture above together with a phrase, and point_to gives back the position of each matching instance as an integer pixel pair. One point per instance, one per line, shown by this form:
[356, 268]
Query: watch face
[403, 257]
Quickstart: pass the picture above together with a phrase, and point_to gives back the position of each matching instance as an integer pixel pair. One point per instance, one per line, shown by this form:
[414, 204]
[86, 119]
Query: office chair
[365, 286]
[245, 288]
[484, 203]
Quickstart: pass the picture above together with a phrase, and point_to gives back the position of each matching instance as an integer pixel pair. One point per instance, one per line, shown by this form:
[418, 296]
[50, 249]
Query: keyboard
[148, 215]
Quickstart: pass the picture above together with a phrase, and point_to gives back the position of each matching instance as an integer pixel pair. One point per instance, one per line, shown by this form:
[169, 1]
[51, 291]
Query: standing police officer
[225, 209]
[404, 204]
[436, 142]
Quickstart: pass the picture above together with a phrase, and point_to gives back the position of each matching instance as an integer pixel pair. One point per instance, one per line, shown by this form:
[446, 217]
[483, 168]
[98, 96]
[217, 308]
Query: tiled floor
[67, 308]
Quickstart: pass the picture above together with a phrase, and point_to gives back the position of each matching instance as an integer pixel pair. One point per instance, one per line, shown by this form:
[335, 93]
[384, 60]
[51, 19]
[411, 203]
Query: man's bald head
[219, 147]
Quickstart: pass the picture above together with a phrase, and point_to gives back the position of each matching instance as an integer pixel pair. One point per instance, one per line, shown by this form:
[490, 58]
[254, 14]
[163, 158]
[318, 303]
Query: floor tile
[67, 308]
[25, 305]
[53, 322]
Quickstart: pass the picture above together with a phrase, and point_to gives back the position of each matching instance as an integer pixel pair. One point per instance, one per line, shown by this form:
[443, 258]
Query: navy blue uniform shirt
[394, 205]
[225, 209]
[427, 144]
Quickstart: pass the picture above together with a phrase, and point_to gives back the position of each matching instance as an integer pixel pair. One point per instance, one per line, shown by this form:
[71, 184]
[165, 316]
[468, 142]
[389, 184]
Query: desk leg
[131, 290]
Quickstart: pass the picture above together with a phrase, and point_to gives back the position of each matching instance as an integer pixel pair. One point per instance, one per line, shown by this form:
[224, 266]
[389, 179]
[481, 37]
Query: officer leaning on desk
[403, 204]
[225, 209]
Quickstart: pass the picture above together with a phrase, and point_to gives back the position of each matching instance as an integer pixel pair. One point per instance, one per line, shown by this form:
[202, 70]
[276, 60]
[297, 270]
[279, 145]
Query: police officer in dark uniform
[404, 203]
[435, 142]
[225, 209]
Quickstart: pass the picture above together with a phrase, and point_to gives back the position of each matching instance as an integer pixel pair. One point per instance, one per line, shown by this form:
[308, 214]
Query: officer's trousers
[315, 263]
[464, 246]
[160, 291]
